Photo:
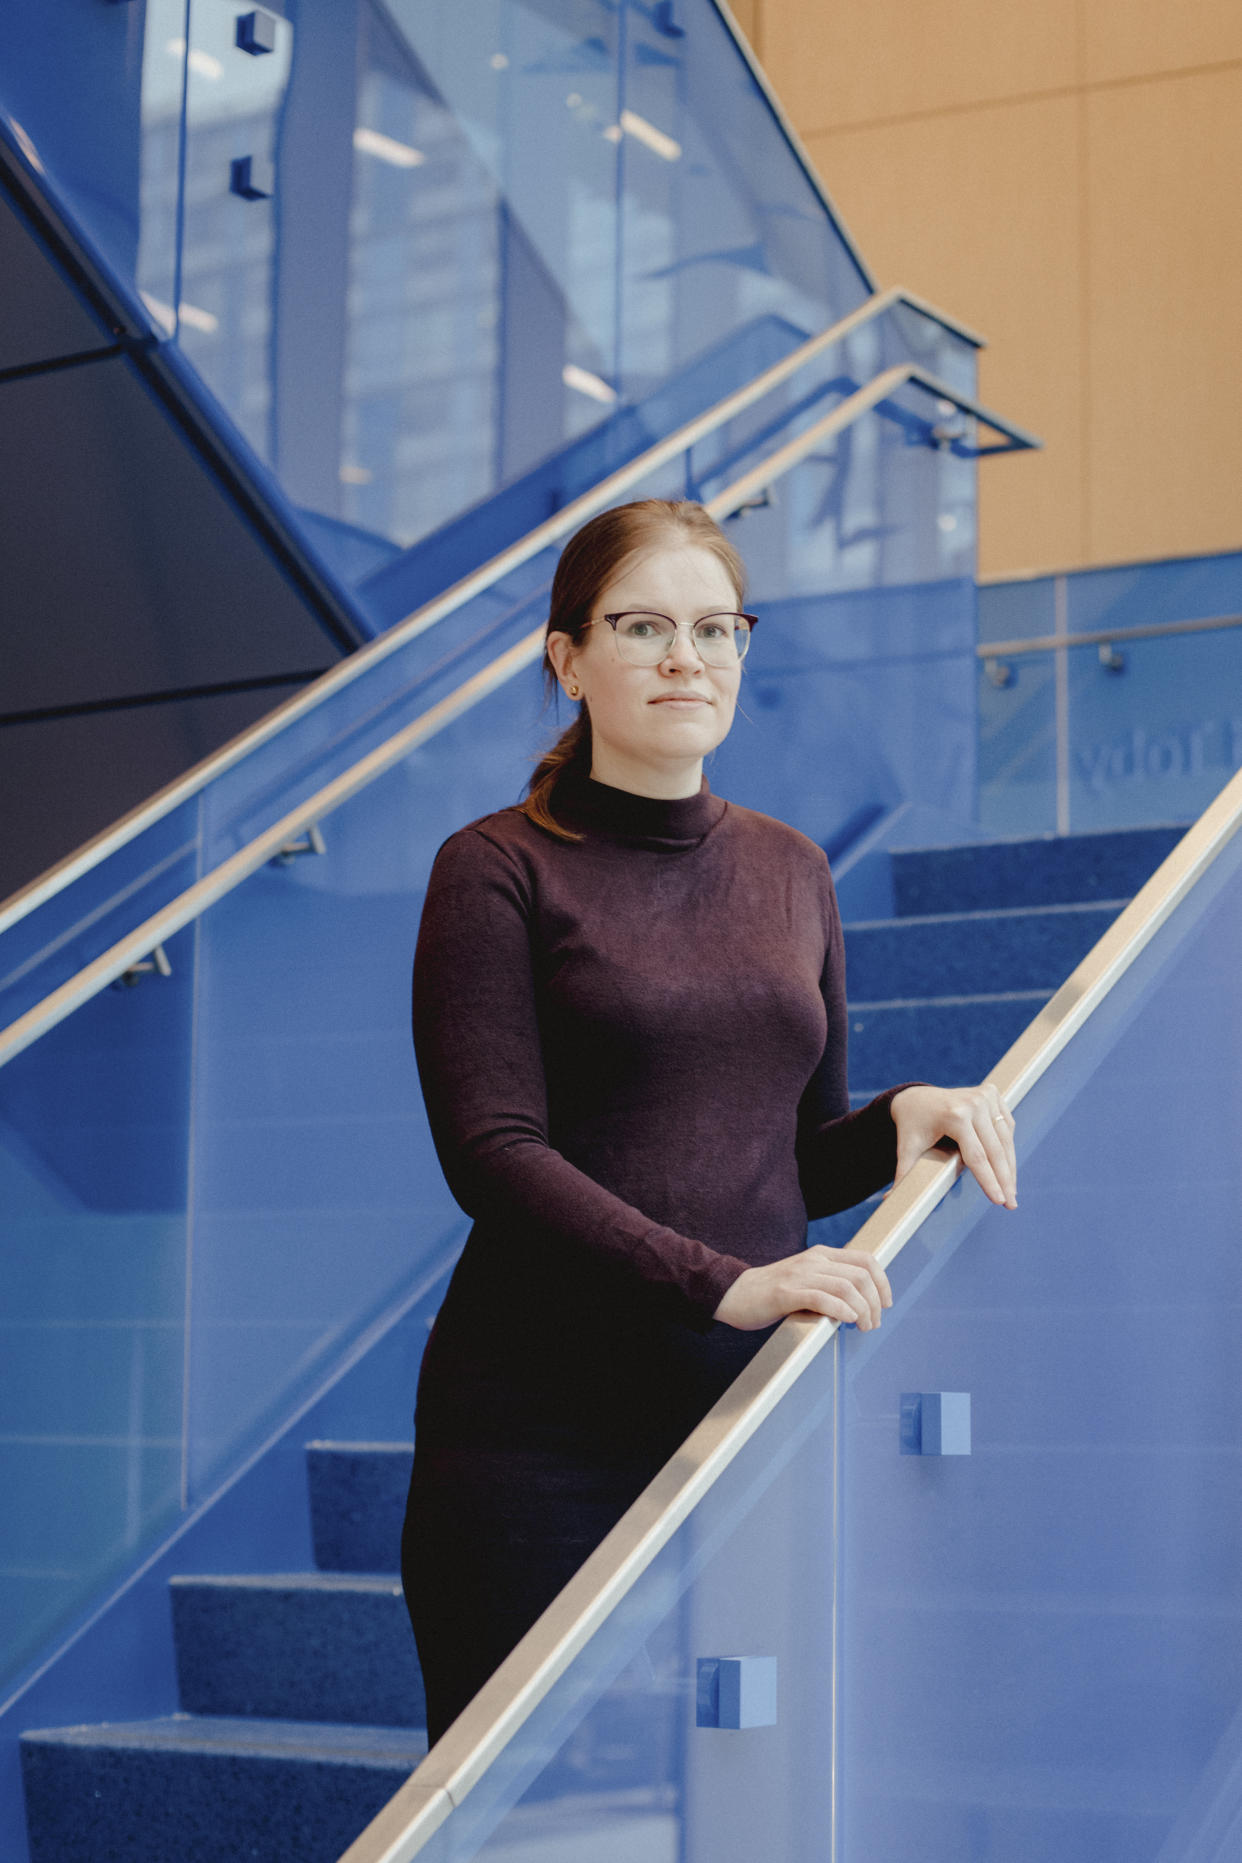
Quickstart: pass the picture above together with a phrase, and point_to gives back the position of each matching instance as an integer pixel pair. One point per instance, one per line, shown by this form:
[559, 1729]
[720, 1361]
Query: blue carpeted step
[187, 1790]
[311, 1646]
[1047, 870]
[952, 1040]
[357, 1502]
[971, 953]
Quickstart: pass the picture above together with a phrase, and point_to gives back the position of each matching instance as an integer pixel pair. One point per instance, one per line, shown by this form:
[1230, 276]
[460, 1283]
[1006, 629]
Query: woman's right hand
[843, 1283]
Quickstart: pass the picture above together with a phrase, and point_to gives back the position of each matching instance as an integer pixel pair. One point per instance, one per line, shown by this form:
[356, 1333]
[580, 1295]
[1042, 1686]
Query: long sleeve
[843, 1155]
[481, 1063]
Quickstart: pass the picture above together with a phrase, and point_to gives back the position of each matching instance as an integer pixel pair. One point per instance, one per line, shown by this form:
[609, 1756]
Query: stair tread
[978, 914]
[924, 1002]
[315, 1741]
[369, 1584]
[331, 1446]
[1048, 838]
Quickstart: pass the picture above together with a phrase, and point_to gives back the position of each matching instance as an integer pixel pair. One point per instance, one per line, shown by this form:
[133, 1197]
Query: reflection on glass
[1018, 744]
[94, 1122]
[228, 280]
[1042, 1641]
[163, 96]
[1155, 727]
[858, 699]
[1148, 732]
[1030, 1651]
[612, 1762]
[421, 343]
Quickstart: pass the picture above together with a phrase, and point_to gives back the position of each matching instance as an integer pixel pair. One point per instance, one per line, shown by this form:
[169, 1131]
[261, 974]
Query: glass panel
[1155, 727]
[94, 1123]
[52, 944]
[164, 79]
[1036, 1652]
[1153, 732]
[1017, 709]
[1185, 589]
[859, 698]
[876, 508]
[317, 1198]
[500, 242]
[228, 283]
[613, 1761]
[720, 226]
[1017, 610]
[94, 97]
[1041, 1656]
[311, 1165]
[1151, 728]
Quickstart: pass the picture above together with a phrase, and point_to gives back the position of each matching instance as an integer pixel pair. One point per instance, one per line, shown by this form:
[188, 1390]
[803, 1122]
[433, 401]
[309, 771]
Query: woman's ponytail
[571, 747]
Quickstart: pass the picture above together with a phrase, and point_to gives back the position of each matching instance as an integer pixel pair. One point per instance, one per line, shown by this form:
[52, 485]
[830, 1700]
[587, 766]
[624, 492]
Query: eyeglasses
[645, 639]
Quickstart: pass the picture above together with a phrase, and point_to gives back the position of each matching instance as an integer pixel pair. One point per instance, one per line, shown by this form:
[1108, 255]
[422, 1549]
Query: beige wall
[1065, 176]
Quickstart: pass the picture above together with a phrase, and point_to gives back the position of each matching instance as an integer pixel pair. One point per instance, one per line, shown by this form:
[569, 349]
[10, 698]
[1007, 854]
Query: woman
[629, 1017]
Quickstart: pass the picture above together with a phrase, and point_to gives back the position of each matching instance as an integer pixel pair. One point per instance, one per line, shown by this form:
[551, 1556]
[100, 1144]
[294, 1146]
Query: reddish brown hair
[589, 562]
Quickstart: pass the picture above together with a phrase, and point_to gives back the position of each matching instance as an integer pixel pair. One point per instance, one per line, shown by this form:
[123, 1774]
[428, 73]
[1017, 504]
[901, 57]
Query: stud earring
[574, 691]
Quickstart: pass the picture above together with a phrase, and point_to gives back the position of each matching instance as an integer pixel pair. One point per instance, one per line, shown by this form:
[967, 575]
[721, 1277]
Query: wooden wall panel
[976, 211]
[1062, 176]
[1138, 38]
[863, 60]
[1165, 317]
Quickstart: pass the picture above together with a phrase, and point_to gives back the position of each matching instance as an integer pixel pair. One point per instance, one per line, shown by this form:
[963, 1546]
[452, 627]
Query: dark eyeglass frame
[716, 614]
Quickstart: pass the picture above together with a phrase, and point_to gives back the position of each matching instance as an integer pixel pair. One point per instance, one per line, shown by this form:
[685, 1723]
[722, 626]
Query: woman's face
[651, 726]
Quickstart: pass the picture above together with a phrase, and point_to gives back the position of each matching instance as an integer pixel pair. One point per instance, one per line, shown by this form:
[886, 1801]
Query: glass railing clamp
[762, 501]
[735, 1691]
[312, 842]
[256, 32]
[157, 964]
[935, 1423]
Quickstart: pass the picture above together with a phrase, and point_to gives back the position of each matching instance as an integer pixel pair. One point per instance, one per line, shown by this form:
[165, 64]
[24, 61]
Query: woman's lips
[681, 698]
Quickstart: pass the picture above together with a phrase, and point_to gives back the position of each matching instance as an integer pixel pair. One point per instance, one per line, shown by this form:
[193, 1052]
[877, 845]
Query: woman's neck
[662, 782]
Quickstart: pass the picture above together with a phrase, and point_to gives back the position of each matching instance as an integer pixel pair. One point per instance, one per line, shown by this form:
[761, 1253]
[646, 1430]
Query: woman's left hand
[978, 1122]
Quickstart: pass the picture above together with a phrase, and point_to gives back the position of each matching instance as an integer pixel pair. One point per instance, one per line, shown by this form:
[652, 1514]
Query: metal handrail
[1147, 630]
[187, 906]
[458, 1761]
[606, 492]
[880, 388]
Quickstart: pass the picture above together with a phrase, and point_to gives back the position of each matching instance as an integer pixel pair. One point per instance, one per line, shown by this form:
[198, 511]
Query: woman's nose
[683, 652]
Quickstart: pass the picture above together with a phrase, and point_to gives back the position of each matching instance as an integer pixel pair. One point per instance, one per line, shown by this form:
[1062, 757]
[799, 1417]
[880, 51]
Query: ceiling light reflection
[587, 384]
[387, 149]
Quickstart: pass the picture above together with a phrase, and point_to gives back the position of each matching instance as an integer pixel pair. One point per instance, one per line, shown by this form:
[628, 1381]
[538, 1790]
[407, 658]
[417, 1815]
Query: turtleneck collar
[643, 821]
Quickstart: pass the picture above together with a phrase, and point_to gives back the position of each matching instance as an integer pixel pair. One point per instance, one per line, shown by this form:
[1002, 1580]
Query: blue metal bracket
[664, 17]
[253, 177]
[256, 32]
[736, 1691]
[935, 1423]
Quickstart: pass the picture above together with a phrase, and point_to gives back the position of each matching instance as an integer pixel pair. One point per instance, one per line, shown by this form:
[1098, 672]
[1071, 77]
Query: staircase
[301, 1696]
[983, 936]
[302, 1704]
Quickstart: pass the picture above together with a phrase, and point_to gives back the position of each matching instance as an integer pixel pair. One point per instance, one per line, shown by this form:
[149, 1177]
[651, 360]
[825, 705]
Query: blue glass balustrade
[94, 1253]
[1027, 1645]
[878, 522]
[1040, 1650]
[416, 254]
[306, 1195]
[1115, 733]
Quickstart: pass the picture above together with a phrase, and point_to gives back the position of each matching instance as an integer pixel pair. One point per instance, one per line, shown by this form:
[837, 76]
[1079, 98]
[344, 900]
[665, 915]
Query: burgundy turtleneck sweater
[632, 1049]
